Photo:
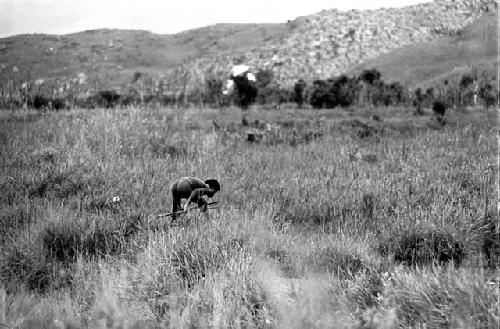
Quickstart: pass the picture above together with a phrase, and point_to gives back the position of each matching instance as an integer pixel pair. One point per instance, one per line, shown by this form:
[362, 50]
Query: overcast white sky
[167, 16]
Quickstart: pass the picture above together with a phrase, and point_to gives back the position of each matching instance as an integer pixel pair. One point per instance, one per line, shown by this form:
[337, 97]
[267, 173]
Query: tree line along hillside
[181, 67]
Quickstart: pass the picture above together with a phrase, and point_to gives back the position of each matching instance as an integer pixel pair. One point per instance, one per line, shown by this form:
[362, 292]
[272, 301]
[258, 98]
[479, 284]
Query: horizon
[57, 17]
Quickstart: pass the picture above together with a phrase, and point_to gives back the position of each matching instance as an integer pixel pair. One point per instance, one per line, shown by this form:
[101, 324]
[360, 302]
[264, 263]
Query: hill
[110, 57]
[473, 48]
[321, 45]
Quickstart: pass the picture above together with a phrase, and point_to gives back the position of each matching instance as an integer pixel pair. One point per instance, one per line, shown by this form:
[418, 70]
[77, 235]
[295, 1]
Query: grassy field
[361, 218]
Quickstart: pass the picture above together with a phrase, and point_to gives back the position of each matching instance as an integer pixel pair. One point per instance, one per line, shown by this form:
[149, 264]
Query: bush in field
[273, 95]
[488, 94]
[344, 90]
[40, 102]
[108, 98]
[439, 109]
[418, 101]
[387, 94]
[414, 248]
[320, 97]
[59, 104]
[299, 89]
[370, 76]
[339, 91]
[246, 91]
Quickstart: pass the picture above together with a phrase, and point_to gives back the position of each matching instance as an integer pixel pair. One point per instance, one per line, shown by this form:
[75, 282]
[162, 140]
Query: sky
[165, 17]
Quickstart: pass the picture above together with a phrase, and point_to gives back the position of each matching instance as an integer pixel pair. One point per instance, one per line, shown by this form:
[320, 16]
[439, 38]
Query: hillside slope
[321, 45]
[475, 47]
[112, 56]
[332, 42]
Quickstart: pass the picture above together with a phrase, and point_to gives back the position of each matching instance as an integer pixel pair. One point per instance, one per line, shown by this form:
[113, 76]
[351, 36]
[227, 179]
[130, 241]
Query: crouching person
[193, 189]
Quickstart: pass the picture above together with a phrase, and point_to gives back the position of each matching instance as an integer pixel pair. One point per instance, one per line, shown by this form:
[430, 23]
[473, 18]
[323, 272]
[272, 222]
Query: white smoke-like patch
[312, 302]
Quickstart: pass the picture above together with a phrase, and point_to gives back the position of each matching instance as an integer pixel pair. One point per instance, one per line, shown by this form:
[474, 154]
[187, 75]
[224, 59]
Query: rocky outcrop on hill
[330, 42]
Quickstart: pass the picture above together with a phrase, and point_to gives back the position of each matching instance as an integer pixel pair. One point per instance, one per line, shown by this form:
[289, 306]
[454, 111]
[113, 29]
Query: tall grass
[348, 230]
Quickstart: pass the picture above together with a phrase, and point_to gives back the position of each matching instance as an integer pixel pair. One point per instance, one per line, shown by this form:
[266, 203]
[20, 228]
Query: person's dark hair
[213, 184]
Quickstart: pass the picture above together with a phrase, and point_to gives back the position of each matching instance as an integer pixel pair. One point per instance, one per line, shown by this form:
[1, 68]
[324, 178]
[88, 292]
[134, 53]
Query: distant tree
[40, 102]
[379, 94]
[464, 84]
[339, 91]
[319, 96]
[246, 91]
[439, 109]
[488, 94]
[107, 98]
[299, 89]
[397, 92]
[344, 91]
[137, 76]
[429, 96]
[466, 81]
[59, 104]
[369, 77]
[418, 101]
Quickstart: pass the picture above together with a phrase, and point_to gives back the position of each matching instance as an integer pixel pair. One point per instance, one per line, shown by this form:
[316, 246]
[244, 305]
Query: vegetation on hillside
[446, 38]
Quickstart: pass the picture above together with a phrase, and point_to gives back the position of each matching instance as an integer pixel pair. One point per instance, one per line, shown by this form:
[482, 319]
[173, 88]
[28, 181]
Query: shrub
[299, 88]
[40, 102]
[320, 95]
[246, 91]
[438, 108]
[423, 248]
[59, 104]
[418, 101]
[338, 91]
[107, 98]
[370, 76]
[489, 95]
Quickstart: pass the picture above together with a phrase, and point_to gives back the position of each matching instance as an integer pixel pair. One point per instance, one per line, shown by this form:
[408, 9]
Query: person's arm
[195, 195]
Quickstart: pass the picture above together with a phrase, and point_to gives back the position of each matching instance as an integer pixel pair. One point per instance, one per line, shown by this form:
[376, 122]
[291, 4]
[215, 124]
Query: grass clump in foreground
[351, 230]
[417, 248]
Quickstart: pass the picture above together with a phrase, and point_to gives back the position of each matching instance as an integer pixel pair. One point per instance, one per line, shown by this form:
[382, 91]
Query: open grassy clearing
[378, 219]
